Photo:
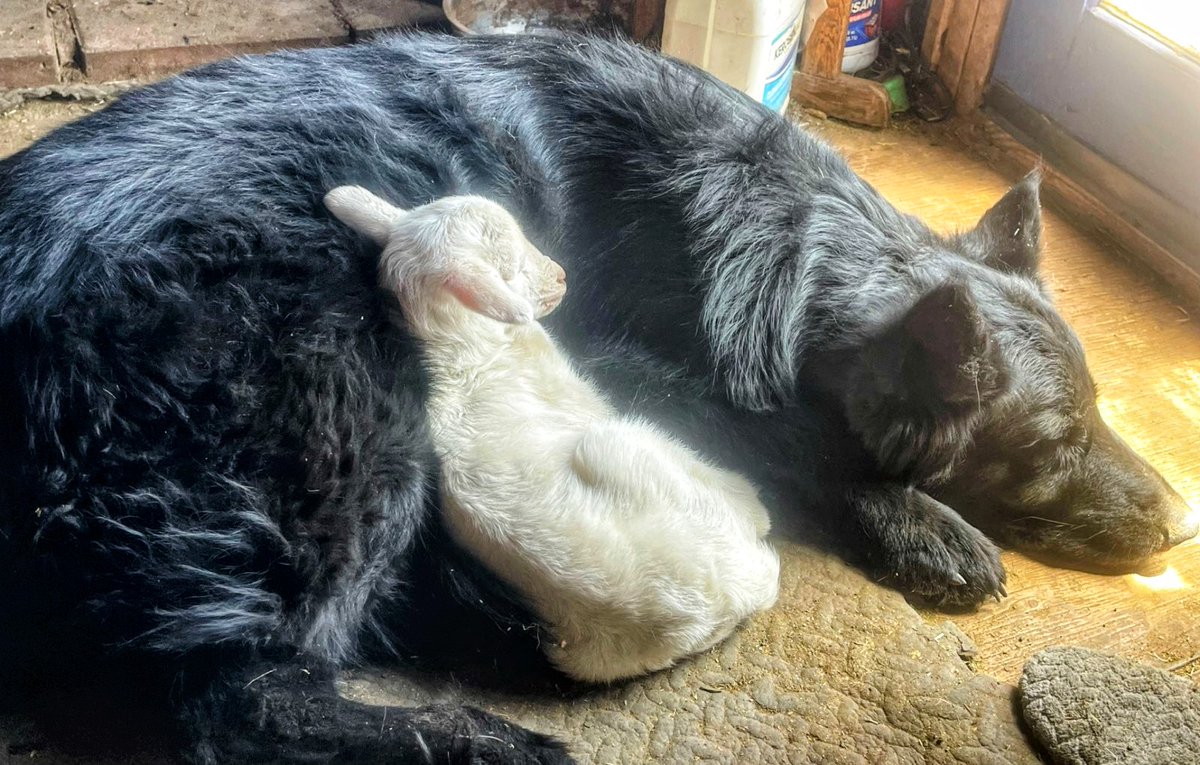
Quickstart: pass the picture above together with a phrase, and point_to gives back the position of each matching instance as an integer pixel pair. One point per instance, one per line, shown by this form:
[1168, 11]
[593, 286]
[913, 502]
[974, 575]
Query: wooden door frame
[960, 44]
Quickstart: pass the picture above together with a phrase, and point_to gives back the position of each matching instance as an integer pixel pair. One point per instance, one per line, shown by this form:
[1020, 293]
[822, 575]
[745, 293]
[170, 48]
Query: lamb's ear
[943, 353]
[364, 212]
[1009, 235]
[480, 288]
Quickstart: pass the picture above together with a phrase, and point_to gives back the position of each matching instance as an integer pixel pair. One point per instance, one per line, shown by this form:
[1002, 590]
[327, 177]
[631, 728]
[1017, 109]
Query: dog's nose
[1182, 523]
[1180, 532]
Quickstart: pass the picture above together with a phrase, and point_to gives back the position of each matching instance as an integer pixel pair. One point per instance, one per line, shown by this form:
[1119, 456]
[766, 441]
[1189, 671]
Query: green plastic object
[894, 85]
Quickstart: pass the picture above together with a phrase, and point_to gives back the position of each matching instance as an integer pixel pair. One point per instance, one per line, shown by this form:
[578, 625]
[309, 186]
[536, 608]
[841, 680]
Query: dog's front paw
[927, 550]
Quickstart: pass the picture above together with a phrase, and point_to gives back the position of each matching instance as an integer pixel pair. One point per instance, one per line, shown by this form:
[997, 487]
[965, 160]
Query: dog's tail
[288, 711]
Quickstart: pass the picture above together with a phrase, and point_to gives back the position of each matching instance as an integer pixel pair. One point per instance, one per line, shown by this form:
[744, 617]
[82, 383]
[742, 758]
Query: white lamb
[633, 551]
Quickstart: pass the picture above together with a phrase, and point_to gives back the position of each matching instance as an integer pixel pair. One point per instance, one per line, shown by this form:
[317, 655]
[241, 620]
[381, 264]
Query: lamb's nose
[559, 274]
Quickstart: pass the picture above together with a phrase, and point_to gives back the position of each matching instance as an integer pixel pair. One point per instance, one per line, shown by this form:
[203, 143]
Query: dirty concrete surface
[33, 119]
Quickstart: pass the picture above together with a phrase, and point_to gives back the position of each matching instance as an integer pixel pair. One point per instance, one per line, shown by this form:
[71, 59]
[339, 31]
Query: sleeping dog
[215, 449]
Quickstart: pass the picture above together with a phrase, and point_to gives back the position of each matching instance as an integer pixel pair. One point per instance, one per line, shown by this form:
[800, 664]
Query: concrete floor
[98, 41]
[33, 119]
[843, 670]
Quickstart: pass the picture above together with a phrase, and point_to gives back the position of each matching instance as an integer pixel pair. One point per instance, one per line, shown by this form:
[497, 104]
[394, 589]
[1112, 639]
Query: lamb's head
[453, 252]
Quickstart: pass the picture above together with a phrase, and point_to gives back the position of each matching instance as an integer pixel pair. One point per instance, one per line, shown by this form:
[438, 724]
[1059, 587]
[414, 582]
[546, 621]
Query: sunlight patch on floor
[1167, 581]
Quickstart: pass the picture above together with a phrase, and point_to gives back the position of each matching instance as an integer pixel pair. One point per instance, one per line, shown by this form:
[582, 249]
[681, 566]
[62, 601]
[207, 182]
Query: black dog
[214, 448]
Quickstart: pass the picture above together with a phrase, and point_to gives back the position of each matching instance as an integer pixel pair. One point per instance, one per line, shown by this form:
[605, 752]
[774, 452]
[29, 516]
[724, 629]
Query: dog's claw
[939, 557]
[1002, 590]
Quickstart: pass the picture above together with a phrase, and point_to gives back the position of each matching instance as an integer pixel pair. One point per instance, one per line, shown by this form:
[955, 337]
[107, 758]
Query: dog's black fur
[214, 446]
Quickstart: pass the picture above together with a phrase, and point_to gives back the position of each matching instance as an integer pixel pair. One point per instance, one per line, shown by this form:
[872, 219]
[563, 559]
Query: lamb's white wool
[634, 551]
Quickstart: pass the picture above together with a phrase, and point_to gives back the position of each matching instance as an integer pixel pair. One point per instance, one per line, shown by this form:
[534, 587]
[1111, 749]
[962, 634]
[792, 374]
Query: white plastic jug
[862, 36]
[749, 44]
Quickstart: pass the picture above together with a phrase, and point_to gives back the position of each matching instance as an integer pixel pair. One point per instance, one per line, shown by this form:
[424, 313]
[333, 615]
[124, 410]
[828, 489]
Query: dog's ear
[941, 352]
[1008, 237]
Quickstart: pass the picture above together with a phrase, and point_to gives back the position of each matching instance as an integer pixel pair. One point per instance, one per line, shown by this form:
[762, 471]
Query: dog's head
[978, 392]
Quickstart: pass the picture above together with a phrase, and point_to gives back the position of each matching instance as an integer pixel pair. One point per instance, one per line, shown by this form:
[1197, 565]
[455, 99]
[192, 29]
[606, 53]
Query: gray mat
[840, 672]
[1086, 708]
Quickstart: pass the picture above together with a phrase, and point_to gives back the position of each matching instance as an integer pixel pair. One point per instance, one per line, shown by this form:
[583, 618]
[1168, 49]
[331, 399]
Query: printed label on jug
[783, 56]
[864, 22]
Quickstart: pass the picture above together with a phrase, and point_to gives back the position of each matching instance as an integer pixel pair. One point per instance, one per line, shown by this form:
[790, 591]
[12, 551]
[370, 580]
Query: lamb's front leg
[924, 547]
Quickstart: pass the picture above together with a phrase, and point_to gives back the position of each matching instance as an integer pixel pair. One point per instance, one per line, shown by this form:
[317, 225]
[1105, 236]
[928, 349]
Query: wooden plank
[847, 98]
[820, 84]
[981, 54]
[827, 44]
[646, 22]
[936, 23]
[958, 42]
